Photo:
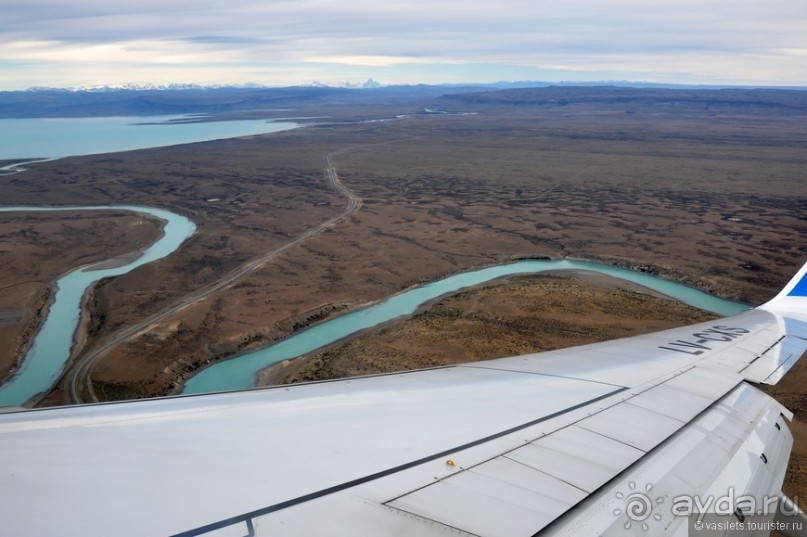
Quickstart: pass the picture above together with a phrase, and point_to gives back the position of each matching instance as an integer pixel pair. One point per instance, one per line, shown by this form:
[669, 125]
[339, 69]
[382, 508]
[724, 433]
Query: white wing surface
[545, 444]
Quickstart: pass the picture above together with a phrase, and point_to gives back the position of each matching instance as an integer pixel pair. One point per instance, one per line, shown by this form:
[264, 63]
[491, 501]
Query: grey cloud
[222, 39]
[525, 31]
[373, 20]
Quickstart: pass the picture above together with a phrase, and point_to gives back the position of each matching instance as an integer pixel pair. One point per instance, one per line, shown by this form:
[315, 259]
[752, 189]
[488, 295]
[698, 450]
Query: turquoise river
[51, 347]
[241, 372]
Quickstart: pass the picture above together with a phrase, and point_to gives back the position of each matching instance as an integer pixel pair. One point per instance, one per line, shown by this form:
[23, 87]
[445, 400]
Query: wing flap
[770, 366]
[499, 497]
[605, 443]
[716, 455]
[633, 425]
[704, 382]
[523, 492]
[582, 458]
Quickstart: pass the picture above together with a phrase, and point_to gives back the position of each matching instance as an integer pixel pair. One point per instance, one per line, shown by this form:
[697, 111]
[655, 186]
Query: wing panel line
[350, 484]
[514, 370]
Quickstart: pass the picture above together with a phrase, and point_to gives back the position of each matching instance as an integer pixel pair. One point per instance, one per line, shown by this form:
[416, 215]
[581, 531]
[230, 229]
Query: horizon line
[371, 84]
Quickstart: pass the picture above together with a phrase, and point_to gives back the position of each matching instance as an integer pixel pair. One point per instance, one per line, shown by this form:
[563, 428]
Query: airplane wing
[558, 443]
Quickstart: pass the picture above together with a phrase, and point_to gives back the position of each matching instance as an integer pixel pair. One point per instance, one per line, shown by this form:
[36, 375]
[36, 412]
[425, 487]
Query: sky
[67, 43]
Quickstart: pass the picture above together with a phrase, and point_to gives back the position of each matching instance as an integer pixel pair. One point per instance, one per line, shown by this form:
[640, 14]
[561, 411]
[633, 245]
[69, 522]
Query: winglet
[793, 297]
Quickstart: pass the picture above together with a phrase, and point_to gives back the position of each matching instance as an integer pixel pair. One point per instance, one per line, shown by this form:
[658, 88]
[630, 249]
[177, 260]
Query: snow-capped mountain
[148, 87]
[368, 84]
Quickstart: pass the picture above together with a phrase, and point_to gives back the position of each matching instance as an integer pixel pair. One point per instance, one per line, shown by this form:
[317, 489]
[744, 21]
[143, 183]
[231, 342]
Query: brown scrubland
[711, 194]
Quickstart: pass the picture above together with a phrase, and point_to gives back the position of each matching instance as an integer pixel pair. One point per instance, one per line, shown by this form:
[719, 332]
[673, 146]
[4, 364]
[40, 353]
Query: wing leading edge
[526, 445]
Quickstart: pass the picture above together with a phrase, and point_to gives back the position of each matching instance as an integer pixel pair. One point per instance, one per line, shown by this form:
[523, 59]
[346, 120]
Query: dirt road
[80, 374]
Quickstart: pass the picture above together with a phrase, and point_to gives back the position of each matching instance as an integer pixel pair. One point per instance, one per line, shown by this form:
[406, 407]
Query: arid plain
[712, 195]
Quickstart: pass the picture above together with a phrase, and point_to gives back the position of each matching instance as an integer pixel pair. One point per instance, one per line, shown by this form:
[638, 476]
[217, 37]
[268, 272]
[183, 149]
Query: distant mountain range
[368, 84]
[149, 100]
[143, 87]
[373, 100]
[699, 102]
[373, 84]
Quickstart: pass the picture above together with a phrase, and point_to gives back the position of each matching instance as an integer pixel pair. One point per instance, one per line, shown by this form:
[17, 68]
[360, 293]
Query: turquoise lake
[34, 138]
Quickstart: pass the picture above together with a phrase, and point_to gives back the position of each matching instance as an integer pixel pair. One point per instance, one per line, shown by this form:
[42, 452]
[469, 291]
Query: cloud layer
[51, 42]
